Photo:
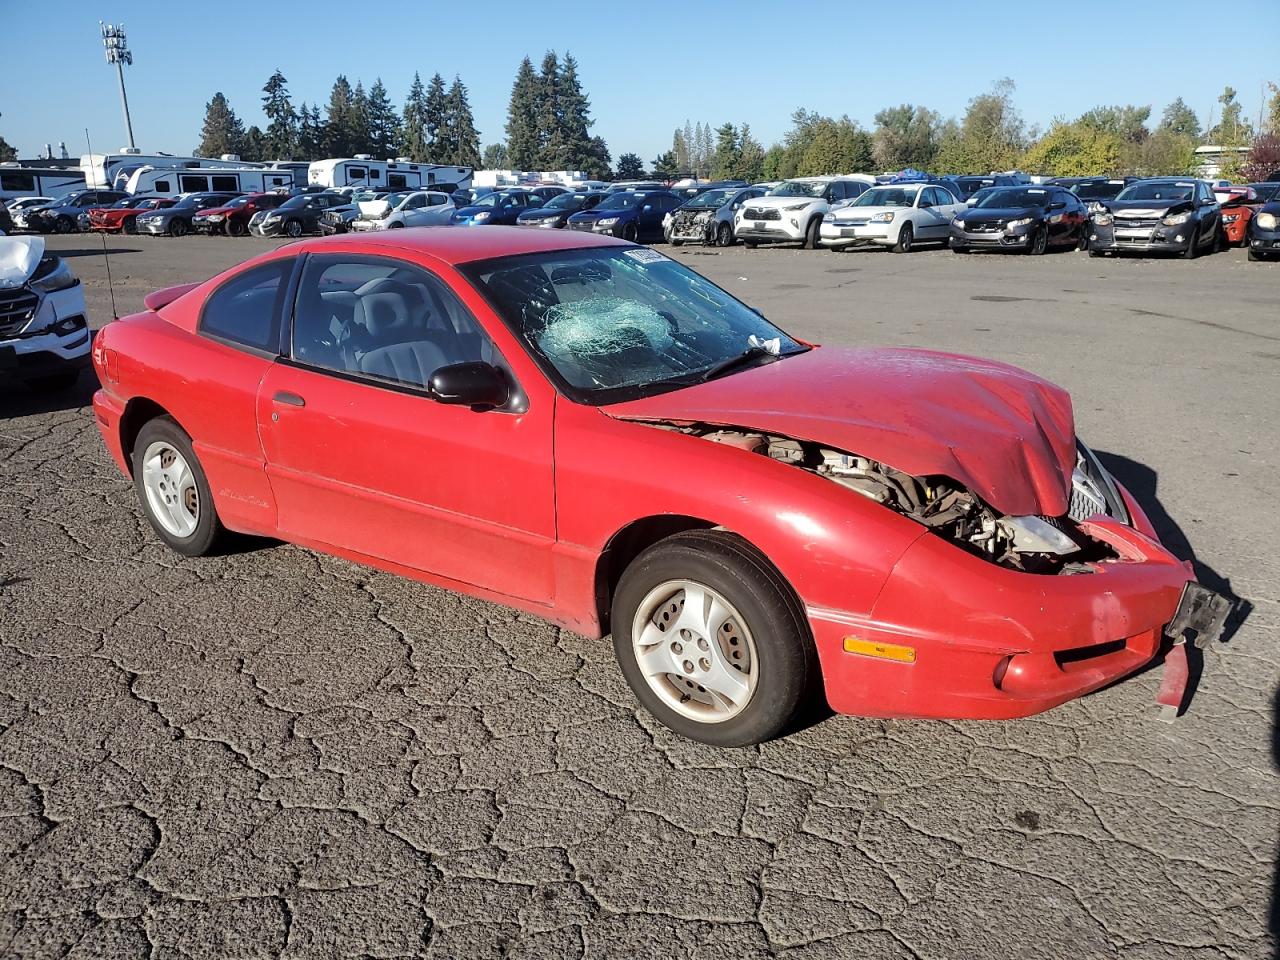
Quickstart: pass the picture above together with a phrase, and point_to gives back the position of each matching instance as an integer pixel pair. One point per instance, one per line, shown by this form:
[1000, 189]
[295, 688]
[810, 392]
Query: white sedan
[410, 208]
[895, 215]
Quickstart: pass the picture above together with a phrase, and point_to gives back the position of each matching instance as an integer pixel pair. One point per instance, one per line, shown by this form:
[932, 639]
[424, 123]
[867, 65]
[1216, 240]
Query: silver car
[708, 217]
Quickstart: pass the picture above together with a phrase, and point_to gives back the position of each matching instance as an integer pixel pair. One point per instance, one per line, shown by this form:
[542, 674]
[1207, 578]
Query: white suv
[416, 208]
[44, 334]
[792, 211]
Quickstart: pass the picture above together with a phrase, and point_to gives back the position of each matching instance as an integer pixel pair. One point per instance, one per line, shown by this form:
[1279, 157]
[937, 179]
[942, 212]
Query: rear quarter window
[246, 309]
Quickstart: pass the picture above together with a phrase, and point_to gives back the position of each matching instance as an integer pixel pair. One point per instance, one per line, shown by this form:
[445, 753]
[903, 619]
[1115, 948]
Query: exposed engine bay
[1031, 544]
[691, 224]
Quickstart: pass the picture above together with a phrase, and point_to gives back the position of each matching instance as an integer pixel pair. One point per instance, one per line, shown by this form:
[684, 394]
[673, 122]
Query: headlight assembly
[796, 206]
[607, 222]
[829, 218]
[1102, 219]
[1267, 221]
[886, 217]
[480, 217]
[1020, 222]
[53, 275]
[1174, 219]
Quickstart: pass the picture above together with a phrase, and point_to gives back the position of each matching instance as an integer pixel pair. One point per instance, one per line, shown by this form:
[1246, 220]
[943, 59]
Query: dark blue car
[559, 209]
[501, 207]
[630, 214]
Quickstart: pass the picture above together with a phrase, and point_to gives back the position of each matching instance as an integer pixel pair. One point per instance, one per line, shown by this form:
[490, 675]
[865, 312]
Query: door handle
[292, 399]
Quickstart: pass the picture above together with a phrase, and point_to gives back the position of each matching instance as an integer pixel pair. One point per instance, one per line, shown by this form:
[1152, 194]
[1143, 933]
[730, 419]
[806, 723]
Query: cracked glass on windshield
[617, 323]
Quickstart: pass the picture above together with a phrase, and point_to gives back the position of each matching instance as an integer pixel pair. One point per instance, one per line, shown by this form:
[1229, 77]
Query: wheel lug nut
[685, 634]
[688, 667]
[676, 648]
[704, 663]
[702, 644]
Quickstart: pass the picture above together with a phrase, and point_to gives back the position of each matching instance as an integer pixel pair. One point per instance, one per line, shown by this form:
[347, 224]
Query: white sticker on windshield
[644, 255]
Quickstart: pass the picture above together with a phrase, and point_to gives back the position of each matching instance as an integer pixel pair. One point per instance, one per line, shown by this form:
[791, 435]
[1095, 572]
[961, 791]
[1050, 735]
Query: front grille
[992, 227]
[1136, 222]
[581, 224]
[759, 213]
[1084, 503]
[17, 307]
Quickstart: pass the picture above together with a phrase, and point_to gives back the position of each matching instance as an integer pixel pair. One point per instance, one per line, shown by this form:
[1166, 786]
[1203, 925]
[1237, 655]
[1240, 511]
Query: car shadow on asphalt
[95, 251]
[1143, 483]
[18, 399]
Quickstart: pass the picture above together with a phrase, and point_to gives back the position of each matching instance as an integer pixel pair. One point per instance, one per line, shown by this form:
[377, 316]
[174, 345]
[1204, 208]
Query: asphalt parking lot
[277, 753]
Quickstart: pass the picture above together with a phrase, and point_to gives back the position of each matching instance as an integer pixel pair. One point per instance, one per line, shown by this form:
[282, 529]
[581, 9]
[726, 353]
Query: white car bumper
[847, 234]
[788, 228]
[63, 345]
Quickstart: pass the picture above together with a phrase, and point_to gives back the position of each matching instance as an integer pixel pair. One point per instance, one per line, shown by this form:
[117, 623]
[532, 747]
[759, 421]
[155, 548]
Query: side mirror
[473, 384]
[647, 207]
[970, 202]
[1058, 205]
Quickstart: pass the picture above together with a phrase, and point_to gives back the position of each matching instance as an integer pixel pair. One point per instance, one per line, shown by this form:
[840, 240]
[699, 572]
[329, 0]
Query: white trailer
[111, 171]
[19, 181]
[399, 174]
[175, 181]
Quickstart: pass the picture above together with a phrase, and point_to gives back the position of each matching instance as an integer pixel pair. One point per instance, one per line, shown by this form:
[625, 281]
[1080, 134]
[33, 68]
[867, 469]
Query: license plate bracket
[1201, 616]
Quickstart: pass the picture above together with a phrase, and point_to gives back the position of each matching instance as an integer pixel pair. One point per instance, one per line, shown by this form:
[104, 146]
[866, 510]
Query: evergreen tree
[750, 157]
[1233, 129]
[664, 166]
[699, 154]
[309, 132]
[222, 131]
[728, 152]
[706, 150]
[1180, 119]
[551, 143]
[774, 158]
[596, 165]
[384, 122]
[282, 131]
[338, 139]
[575, 116]
[680, 147]
[522, 118]
[630, 167]
[438, 134]
[1271, 122]
[690, 140]
[464, 139]
[254, 146]
[415, 142]
[494, 157]
[361, 130]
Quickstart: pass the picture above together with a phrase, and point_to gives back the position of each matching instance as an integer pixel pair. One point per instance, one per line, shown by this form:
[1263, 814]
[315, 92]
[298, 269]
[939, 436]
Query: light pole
[118, 53]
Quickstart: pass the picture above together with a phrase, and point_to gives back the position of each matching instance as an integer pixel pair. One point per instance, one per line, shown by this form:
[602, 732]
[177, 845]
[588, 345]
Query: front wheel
[237, 228]
[1193, 248]
[64, 225]
[712, 641]
[130, 226]
[811, 234]
[293, 229]
[178, 227]
[1039, 242]
[630, 233]
[724, 235]
[1083, 243]
[750, 244]
[905, 238]
[173, 490]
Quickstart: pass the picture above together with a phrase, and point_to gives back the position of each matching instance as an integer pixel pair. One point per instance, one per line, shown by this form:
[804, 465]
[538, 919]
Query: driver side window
[381, 319]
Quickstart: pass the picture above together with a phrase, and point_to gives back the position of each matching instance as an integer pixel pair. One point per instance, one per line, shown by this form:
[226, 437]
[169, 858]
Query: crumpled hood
[766, 202]
[19, 257]
[373, 209]
[990, 214]
[1005, 434]
[1146, 208]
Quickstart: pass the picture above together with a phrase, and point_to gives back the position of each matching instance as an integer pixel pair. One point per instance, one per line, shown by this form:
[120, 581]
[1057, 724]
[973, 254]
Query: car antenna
[106, 258]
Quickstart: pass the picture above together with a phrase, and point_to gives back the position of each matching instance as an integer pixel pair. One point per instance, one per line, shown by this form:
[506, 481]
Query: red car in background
[585, 429]
[233, 218]
[1239, 204]
[120, 217]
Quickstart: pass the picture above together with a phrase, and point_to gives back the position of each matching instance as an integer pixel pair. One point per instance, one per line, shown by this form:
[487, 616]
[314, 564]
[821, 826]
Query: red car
[121, 217]
[233, 218]
[1239, 204]
[582, 428]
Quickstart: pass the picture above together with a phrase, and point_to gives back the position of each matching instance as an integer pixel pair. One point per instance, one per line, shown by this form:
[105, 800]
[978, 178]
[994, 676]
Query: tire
[237, 228]
[53, 382]
[293, 229]
[1083, 243]
[750, 244]
[759, 650]
[154, 481]
[1257, 257]
[906, 235]
[64, 225]
[1039, 243]
[724, 235]
[1096, 253]
[1193, 248]
[395, 226]
[962, 250]
[676, 243]
[630, 233]
[130, 226]
[811, 234]
[178, 227]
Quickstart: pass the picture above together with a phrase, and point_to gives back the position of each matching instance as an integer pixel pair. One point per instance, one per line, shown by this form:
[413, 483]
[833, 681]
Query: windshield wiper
[746, 358]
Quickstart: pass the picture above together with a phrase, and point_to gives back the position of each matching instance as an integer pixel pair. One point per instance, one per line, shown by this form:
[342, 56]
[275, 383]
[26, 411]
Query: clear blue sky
[645, 72]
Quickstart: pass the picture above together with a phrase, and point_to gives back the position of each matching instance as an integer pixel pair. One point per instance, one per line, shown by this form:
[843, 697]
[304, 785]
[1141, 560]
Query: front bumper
[992, 643]
[839, 234]
[153, 228]
[1157, 239]
[1016, 239]
[1266, 242]
[204, 225]
[593, 226]
[769, 231]
[27, 357]
[364, 226]
[267, 229]
[1235, 230]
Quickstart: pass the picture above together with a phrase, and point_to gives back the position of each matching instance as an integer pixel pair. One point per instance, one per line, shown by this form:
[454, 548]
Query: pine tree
[308, 132]
[414, 142]
[438, 134]
[575, 114]
[384, 122]
[728, 152]
[338, 139]
[750, 157]
[630, 167]
[222, 131]
[664, 166]
[494, 157]
[522, 118]
[680, 147]
[690, 148]
[596, 166]
[551, 143]
[282, 131]
[464, 139]
[254, 145]
[361, 131]
[1180, 119]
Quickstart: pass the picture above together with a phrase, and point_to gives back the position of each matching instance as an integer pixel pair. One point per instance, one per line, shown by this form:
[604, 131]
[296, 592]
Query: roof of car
[456, 245]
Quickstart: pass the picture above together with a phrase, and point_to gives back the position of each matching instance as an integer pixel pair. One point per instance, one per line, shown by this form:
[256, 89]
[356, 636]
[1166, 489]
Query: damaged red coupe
[585, 429]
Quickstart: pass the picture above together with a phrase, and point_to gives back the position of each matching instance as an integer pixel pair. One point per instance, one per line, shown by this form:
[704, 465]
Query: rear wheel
[811, 234]
[173, 490]
[711, 640]
[178, 227]
[906, 236]
[724, 235]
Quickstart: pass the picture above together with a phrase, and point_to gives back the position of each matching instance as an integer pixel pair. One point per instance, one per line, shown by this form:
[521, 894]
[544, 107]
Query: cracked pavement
[278, 753]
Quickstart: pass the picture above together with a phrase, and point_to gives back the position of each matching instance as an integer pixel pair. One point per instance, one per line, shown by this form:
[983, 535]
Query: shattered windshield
[614, 324]
[620, 201]
[799, 188]
[1014, 198]
[1158, 190]
[711, 200]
